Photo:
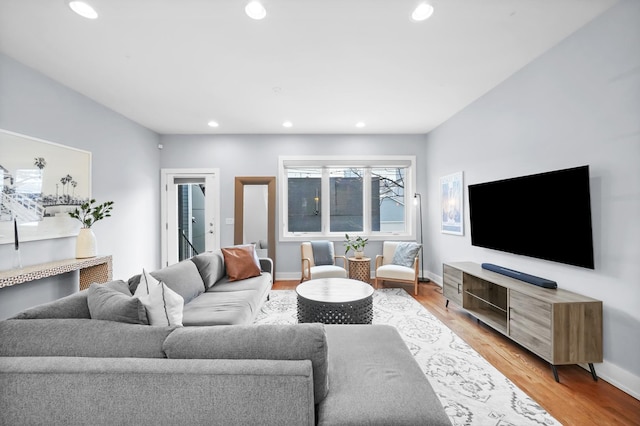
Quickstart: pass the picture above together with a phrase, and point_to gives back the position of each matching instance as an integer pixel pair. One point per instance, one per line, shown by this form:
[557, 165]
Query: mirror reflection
[255, 214]
[255, 223]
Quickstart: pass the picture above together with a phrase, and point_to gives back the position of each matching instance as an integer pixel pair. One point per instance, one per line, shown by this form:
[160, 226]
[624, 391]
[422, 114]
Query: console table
[559, 326]
[96, 269]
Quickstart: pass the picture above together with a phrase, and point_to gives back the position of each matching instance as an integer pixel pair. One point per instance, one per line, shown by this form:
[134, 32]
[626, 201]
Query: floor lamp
[417, 200]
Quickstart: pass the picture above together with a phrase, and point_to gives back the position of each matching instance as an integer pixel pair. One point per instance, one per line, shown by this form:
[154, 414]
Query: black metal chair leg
[446, 305]
[593, 372]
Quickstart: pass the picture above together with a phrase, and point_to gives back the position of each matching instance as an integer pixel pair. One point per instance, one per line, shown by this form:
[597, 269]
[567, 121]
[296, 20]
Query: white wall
[577, 104]
[257, 155]
[125, 170]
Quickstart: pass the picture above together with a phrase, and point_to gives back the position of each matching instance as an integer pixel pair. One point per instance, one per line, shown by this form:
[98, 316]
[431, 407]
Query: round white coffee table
[335, 301]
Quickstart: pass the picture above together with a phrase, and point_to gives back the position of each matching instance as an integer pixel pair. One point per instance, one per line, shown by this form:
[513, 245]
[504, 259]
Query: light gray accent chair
[312, 271]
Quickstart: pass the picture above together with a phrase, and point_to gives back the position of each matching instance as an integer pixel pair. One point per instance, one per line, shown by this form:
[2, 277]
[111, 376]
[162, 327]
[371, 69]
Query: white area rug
[471, 390]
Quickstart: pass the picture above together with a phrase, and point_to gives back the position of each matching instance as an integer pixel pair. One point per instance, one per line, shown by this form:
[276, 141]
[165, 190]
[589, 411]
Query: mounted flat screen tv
[546, 216]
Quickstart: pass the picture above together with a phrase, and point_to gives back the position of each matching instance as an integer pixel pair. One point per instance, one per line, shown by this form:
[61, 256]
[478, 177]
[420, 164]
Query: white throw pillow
[164, 306]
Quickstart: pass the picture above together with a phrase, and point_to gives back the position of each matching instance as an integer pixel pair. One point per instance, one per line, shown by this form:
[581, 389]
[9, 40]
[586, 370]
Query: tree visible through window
[389, 195]
[353, 199]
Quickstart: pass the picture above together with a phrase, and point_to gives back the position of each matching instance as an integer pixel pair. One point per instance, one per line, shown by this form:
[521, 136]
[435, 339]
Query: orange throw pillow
[239, 263]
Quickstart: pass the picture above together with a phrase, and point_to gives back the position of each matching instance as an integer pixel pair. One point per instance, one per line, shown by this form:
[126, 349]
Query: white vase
[86, 245]
[359, 254]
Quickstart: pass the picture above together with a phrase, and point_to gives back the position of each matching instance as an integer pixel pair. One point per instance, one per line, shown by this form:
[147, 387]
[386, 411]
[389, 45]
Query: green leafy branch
[88, 214]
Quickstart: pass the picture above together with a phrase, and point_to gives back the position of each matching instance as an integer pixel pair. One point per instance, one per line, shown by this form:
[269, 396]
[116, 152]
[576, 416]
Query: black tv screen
[546, 216]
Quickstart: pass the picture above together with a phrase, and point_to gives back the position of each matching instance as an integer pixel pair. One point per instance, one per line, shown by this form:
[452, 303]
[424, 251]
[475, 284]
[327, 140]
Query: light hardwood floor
[576, 400]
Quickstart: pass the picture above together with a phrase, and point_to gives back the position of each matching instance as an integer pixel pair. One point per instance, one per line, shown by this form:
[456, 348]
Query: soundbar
[531, 279]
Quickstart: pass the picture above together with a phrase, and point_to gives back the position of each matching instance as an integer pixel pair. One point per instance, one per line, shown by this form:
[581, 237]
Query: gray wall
[257, 155]
[125, 170]
[577, 104]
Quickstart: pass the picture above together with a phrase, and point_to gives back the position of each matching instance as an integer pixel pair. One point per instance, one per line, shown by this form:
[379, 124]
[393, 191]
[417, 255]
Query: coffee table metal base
[356, 312]
[335, 301]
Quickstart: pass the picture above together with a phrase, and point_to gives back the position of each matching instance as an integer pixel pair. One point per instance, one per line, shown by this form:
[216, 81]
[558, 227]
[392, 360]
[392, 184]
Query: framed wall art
[40, 182]
[451, 204]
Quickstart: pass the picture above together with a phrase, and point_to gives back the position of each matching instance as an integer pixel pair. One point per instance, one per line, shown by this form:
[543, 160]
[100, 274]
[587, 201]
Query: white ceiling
[173, 65]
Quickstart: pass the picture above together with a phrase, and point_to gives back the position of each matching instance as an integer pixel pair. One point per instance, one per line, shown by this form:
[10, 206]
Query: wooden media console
[559, 326]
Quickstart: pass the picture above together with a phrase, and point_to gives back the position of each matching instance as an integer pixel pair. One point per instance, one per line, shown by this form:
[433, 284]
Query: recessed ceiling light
[360, 124]
[422, 12]
[287, 124]
[83, 9]
[255, 10]
[213, 123]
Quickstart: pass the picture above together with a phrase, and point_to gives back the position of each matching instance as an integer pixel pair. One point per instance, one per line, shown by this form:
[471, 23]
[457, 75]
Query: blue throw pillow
[405, 254]
[322, 252]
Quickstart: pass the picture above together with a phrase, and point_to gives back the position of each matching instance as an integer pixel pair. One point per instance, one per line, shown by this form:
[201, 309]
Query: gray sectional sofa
[59, 366]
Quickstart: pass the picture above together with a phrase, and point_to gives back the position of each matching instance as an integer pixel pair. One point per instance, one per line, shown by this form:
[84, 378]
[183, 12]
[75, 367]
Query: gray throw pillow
[210, 266]
[118, 285]
[133, 283]
[106, 303]
[183, 278]
[322, 252]
[405, 254]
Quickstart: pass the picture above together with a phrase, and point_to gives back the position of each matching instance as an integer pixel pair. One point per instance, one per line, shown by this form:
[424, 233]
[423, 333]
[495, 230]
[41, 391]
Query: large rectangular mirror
[255, 214]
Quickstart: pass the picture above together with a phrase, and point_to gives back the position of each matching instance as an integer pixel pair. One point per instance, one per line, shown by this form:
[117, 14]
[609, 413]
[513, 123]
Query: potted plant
[356, 244]
[88, 214]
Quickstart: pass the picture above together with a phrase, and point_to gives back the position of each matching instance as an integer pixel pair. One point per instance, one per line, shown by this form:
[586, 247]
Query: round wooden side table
[360, 269]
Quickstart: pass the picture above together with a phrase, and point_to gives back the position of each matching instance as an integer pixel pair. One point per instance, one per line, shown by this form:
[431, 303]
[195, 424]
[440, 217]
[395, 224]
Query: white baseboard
[620, 378]
[436, 279]
[288, 276]
[295, 276]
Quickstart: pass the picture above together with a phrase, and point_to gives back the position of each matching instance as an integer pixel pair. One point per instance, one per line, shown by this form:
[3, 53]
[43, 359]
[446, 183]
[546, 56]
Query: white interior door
[190, 219]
